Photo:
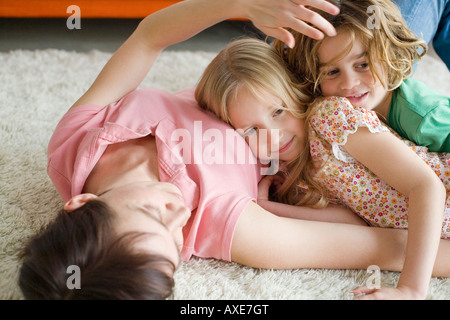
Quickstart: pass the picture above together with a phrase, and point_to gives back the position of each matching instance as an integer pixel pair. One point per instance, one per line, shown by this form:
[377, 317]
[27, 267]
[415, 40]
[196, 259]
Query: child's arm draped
[391, 160]
[331, 213]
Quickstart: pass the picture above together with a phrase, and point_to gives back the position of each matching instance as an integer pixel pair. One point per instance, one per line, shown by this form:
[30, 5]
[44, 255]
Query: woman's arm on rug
[133, 60]
[263, 240]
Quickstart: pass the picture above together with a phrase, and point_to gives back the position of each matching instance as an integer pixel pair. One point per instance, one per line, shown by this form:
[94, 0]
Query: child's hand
[263, 188]
[385, 293]
[272, 17]
[265, 184]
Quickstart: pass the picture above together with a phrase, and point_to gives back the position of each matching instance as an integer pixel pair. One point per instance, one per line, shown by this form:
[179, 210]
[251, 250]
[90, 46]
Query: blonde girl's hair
[256, 66]
[379, 25]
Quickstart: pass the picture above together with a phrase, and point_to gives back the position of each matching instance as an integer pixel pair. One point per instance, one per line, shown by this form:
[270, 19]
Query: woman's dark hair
[110, 266]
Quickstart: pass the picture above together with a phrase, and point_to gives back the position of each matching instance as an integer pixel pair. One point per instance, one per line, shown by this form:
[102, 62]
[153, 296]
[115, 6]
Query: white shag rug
[37, 88]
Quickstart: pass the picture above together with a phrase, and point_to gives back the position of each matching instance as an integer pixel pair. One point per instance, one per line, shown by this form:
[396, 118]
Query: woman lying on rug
[137, 196]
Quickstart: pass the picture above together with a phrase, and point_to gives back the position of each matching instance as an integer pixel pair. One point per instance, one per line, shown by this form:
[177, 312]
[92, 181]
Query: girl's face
[272, 132]
[350, 77]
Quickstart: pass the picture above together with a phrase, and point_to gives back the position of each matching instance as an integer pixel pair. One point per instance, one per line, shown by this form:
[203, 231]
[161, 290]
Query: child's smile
[351, 77]
[271, 131]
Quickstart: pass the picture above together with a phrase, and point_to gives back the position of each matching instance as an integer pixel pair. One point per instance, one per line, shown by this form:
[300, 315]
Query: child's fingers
[264, 186]
[277, 181]
[363, 290]
[266, 182]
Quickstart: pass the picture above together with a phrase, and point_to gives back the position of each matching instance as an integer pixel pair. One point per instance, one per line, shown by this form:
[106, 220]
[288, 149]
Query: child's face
[350, 77]
[270, 131]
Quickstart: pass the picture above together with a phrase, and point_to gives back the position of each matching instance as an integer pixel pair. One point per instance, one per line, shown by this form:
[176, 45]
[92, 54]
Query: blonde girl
[249, 65]
[369, 62]
[334, 151]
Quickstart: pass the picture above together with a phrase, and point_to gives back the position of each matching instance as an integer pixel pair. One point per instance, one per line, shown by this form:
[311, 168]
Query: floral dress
[349, 182]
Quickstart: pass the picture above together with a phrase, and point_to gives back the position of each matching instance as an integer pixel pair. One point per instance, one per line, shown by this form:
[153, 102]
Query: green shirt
[421, 115]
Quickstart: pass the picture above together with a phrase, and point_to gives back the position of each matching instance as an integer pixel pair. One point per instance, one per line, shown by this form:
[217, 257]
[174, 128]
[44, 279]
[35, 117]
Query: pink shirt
[204, 157]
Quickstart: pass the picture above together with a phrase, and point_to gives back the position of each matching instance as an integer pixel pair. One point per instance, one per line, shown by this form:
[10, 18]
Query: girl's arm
[331, 213]
[263, 240]
[134, 59]
[391, 160]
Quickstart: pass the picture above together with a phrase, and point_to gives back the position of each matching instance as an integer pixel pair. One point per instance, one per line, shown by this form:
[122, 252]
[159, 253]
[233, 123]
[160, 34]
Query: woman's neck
[123, 163]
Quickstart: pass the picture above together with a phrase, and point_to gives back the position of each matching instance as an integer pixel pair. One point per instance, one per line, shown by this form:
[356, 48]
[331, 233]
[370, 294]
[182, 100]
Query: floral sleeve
[335, 118]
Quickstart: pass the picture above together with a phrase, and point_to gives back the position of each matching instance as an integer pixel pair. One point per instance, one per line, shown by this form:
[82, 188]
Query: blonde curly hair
[390, 44]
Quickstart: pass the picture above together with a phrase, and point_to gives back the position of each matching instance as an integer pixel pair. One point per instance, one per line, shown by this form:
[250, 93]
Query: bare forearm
[332, 213]
[424, 234]
[183, 20]
[426, 195]
[130, 64]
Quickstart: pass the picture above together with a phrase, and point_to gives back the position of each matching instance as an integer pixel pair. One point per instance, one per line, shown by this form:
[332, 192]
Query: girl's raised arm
[391, 160]
[134, 59]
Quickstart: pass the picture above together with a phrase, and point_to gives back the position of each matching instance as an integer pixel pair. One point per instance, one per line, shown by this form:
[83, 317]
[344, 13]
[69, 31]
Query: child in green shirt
[367, 62]
[420, 114]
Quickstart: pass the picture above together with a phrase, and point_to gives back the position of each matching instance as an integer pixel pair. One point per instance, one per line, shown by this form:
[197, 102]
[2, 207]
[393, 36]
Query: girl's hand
[265, 184]
[385, 293]
[263, 188]
[273, 17]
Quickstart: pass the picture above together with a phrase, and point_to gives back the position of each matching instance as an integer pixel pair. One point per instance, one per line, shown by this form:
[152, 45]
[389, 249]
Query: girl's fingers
[264, 186]
[363, 290]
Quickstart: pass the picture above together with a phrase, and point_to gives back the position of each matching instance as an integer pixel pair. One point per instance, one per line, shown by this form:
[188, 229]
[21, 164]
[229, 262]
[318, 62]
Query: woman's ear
[78, 201]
